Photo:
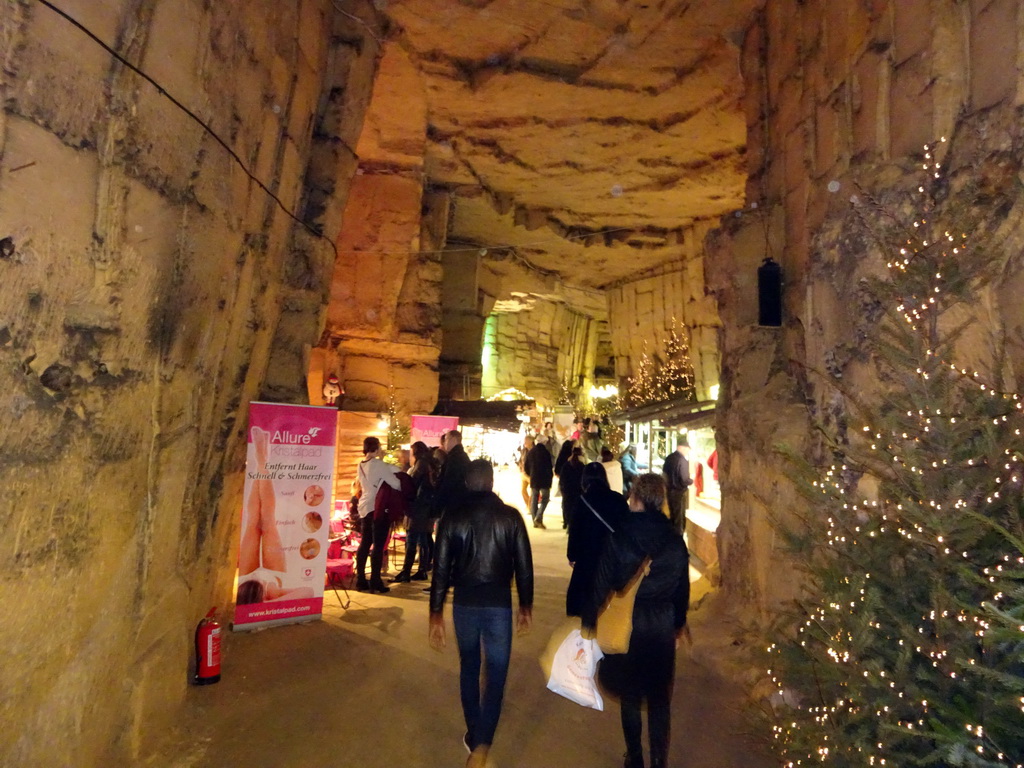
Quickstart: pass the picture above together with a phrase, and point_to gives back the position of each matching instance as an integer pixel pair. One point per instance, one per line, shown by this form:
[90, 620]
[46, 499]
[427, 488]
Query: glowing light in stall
[608, 390]
[490, 340]
[509, 394]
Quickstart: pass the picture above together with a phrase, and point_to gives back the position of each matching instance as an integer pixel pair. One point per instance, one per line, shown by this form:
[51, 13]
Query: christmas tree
[665, 377]
[640, 389]
[567, 393]
[676, 375]
[398, 430]
[906, 646]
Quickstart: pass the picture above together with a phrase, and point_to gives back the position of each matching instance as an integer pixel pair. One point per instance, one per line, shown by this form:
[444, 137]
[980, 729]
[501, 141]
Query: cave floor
[361, 687]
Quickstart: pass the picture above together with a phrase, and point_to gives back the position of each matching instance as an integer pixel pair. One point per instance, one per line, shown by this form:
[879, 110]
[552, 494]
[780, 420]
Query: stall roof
[500, 414]
[671, 414]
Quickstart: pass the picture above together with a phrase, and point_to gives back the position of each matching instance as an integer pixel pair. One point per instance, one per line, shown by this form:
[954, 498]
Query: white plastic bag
[573, 671]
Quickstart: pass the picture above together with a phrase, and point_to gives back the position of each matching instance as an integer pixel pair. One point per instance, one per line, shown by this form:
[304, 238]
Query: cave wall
[508, 325]
[465, 307]
[538, 348]
[383, 332]
[845, 93]
[641, 313]
[140, 309]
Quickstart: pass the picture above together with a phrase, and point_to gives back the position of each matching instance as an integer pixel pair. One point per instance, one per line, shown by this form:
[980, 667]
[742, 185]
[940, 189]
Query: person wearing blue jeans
[481, 546]
[538, 503]
[478, 628]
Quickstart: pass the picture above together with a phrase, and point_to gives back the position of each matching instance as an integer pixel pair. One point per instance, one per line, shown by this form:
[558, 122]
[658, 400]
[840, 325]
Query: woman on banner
[261, 559]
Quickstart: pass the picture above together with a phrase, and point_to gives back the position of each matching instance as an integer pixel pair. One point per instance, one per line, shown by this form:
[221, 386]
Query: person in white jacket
[371, 473]
[613, 469]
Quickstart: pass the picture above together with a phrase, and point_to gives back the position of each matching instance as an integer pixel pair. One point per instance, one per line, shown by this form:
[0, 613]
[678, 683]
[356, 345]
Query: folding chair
[341, 569]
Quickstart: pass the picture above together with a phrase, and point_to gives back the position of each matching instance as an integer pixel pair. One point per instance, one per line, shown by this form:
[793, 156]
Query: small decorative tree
[663, 378]
[675, 379]
[567, 395]
[640, 389]
[398, 431]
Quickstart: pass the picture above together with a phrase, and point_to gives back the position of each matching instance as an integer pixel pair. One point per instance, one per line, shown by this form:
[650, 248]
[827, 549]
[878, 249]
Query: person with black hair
[482, 545]
[371, 473]
[598, 514]
[564, 452]
[538, 466]
[570, 476]
[420, 523]
[676, 471]
[451, 484]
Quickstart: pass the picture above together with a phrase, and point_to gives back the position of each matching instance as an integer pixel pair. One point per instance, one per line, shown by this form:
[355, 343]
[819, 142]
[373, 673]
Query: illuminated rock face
[383, 328]
[852, 92]
[581, 147]
[563, 166]
[587, 135]
[149, 290]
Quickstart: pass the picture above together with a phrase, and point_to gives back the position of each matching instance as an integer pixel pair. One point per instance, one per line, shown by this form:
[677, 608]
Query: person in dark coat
[647, 670]
[598, 513]
[481, 546]
[538, 467]
[420, 523]
[451, 484]
[676, 471]
[570, 477]
[563, 454]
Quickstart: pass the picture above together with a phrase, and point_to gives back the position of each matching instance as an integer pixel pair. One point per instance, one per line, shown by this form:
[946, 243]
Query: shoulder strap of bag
[364, 477]
[597, 514]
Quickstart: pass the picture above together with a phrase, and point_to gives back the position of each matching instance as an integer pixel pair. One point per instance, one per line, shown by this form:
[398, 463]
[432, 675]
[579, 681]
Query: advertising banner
[564, 425]
[430, 429]
[286, 513]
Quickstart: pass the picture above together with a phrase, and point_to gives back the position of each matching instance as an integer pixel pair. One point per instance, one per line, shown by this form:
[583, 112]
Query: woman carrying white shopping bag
[646, 547]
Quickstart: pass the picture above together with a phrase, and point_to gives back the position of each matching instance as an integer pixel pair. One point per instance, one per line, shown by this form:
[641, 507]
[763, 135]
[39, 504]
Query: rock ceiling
[587, 135]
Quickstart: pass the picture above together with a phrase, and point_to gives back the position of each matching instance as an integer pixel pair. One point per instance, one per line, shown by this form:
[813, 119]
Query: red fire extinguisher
[208, 650]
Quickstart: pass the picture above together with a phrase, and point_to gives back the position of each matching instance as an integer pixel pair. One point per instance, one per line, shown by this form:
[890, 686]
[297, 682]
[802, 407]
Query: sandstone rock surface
[582, 135]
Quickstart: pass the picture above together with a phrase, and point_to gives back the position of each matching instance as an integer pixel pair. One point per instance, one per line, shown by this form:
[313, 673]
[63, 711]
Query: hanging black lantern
[769, 293]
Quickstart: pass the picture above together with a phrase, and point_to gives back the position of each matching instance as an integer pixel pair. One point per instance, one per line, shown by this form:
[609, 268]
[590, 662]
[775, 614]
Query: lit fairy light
[812, 733]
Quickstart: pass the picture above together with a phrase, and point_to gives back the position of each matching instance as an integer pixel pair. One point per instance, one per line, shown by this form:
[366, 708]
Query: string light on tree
[906, 648]
[664, 377]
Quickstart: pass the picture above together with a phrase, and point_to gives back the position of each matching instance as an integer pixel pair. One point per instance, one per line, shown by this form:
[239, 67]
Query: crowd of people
[617, 521]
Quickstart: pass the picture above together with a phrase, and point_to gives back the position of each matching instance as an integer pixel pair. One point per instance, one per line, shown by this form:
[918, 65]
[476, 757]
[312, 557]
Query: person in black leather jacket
[451, 483]
[481, 545]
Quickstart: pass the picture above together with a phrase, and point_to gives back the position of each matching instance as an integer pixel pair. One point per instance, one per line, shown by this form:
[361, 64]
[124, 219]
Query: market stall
[490, 429]
[654, 430]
